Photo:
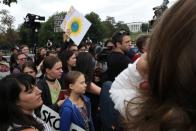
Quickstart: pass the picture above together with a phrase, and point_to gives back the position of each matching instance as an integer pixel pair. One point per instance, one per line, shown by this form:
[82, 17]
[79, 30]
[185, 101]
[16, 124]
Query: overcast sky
[123, 10]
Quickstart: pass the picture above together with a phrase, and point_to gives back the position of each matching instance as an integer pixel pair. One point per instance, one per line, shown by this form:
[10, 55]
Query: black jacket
[46, 96]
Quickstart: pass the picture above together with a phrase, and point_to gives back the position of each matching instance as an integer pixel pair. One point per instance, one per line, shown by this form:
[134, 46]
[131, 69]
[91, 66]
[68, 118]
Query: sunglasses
[123, 32]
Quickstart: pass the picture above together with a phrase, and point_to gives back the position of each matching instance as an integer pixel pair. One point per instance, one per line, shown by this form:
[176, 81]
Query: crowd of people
[151, 90]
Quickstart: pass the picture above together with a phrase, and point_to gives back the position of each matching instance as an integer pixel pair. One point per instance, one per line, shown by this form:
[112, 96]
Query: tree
[6, 20]
[96, 31]
[121, 26]
[47, 32]
[8, 35]
[25, 35]
[144, 27]
[109, 29]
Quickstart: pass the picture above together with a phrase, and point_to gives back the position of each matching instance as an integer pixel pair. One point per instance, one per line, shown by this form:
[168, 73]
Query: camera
[102, 53]
[33, 17]
[30, 21]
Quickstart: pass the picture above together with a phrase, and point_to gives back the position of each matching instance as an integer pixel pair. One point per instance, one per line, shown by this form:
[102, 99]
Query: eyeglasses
[22, 59]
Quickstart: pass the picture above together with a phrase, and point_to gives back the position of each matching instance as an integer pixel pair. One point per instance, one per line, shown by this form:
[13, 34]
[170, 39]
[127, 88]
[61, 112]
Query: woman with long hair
[50, 84]
[41, 54]
[68, 59]
[77, 108]
[170, 103]
[19, 97]
[85, 63]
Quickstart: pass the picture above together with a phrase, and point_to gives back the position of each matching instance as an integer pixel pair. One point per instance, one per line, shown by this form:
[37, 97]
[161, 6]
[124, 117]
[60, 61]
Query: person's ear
[47, 70]
[118, 44]
[71, 86]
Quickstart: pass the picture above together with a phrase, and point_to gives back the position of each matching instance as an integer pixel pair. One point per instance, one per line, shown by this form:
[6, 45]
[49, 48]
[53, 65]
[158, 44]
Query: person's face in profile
[142, 66]
[56, 71]
[29, 99]
[72, 61]
[126, 43]
[79, 86]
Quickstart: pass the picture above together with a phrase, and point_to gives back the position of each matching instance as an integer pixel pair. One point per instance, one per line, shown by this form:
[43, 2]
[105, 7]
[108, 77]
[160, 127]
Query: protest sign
[51, 117]
[77, 24]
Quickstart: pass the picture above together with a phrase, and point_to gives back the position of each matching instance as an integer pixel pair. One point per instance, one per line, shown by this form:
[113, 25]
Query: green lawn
[134, 36]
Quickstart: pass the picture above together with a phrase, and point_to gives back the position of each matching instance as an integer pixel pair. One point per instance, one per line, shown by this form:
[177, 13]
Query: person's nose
[85, 85]
[130, 43]
[38, 91]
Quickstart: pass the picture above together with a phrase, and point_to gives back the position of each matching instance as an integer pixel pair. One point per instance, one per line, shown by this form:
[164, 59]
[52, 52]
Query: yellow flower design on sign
[75, 25]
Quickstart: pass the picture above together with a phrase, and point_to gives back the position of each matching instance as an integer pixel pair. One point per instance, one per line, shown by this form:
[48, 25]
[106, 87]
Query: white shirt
[124, 87]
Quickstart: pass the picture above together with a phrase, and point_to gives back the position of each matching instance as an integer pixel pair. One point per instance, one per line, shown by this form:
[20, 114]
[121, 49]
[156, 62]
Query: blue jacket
[69, 113]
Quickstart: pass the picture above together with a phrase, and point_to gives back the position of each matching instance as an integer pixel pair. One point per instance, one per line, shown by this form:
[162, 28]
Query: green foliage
[25, 36]
[8, 36]
[145, 27]
[6, 20]
[109, 29]
[96, 31]
[122, 26]
[134, 36]
[47, 32]
[99, 30]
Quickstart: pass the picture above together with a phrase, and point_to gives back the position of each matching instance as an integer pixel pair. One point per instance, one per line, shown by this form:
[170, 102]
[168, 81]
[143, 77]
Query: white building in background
[135, 26]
